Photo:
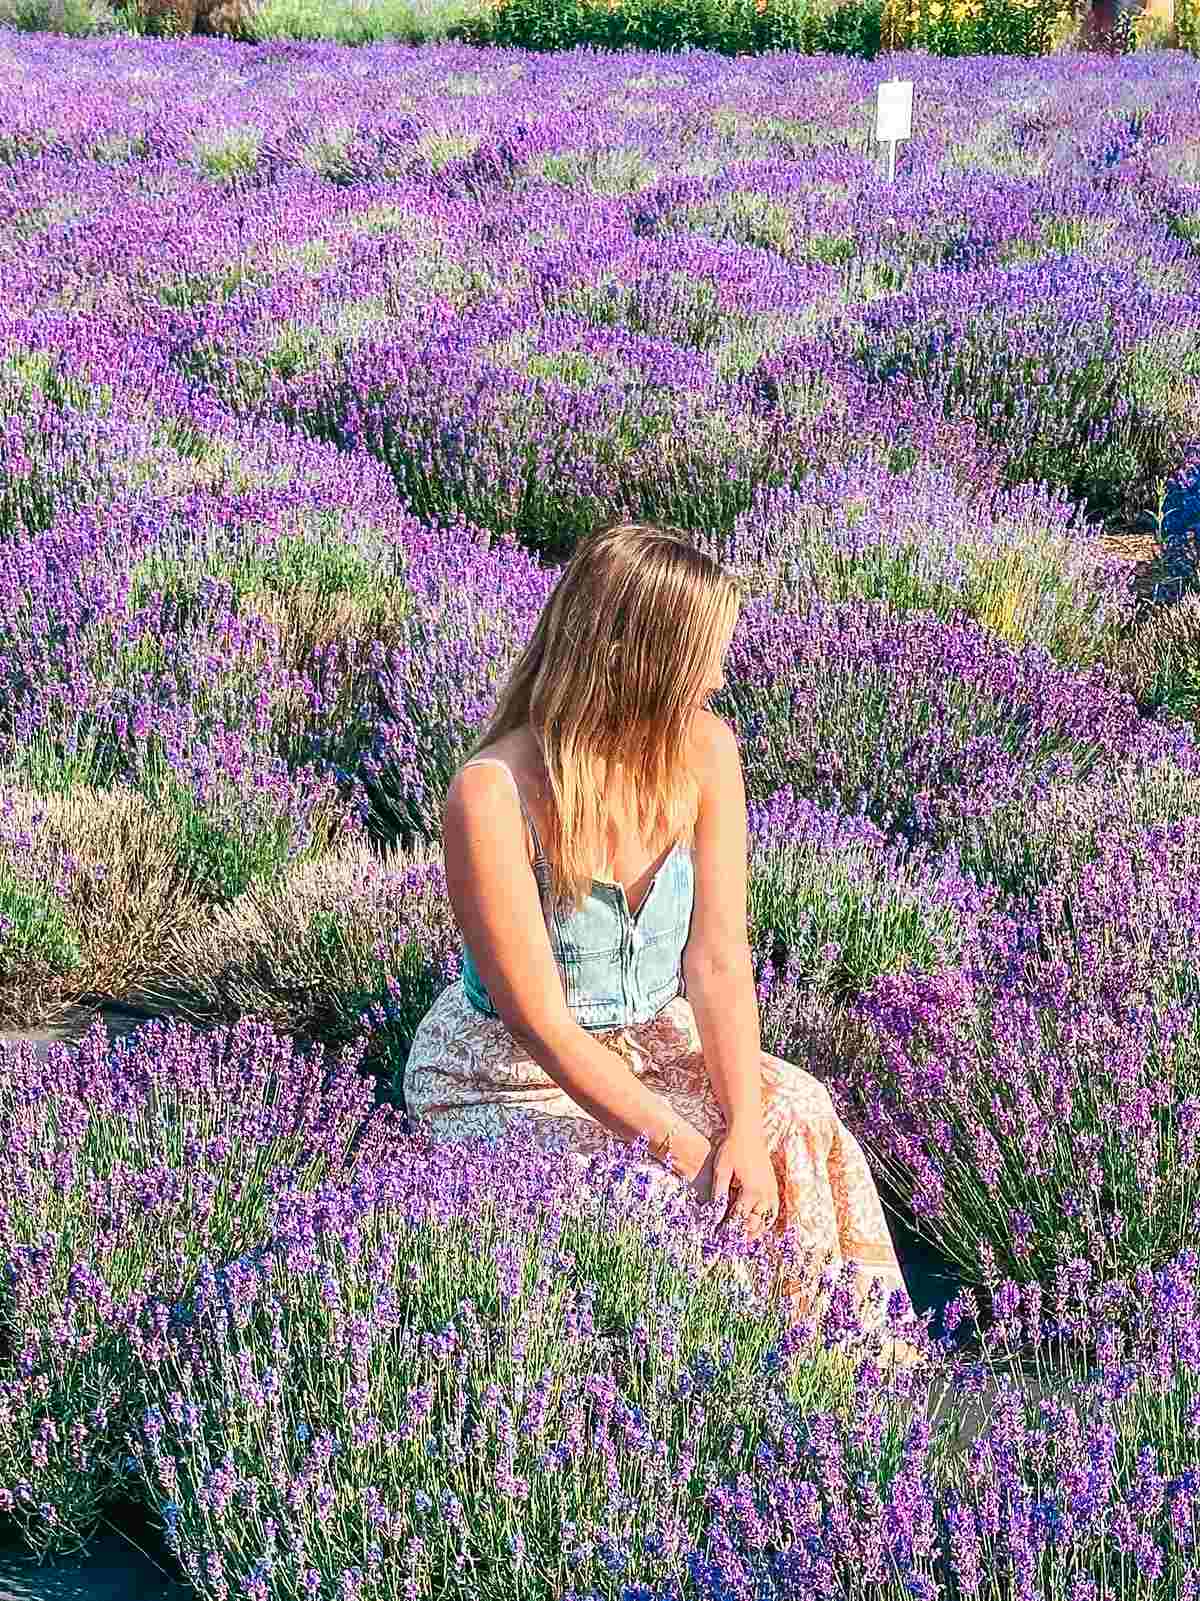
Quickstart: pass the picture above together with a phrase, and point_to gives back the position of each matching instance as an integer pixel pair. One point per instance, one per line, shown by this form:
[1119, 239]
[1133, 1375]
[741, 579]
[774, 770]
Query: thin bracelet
[663, 1155]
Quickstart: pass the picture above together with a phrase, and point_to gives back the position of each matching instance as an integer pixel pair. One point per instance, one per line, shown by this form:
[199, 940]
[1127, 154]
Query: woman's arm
[717, 965]
[494, 895]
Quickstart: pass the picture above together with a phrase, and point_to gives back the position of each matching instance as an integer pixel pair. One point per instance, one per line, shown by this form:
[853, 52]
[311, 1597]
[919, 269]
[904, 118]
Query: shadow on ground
[111, 1569]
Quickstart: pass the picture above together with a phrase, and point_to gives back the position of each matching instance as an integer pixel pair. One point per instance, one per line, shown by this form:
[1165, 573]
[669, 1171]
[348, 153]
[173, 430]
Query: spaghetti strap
[494, 761]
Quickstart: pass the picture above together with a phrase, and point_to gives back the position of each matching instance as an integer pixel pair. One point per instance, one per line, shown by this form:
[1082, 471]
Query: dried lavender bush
[91, 886]
[314, 951]
[1160, 661]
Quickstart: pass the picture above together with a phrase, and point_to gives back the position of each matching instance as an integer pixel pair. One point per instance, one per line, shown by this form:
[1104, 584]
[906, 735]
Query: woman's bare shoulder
[515, 751]
[512, 749]
[713, 741]
[477, 793]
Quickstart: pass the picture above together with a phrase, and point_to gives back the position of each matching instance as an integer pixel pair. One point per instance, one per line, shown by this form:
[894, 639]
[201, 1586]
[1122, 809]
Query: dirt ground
[110, 1570]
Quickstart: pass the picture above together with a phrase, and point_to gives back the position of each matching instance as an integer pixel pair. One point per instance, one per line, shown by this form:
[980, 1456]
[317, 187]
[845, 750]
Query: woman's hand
[742, 1161]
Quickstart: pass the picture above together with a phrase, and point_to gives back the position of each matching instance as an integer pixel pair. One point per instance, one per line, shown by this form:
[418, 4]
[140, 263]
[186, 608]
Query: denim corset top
[617, 968]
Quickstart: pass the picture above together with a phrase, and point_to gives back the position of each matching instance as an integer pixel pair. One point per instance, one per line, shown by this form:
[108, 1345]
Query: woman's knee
[806, 1094]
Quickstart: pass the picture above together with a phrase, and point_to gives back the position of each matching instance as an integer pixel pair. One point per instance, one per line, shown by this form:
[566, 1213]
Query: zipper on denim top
[606, 988]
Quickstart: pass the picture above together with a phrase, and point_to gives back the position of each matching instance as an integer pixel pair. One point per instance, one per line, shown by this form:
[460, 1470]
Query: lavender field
[314, 363]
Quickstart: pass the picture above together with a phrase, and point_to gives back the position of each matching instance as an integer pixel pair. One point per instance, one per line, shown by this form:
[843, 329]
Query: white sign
[893, 111]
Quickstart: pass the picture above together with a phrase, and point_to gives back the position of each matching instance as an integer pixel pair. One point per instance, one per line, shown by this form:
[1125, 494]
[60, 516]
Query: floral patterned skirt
[468, 1076]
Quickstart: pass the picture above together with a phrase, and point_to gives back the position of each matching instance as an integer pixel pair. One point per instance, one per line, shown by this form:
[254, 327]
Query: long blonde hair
[608, 683]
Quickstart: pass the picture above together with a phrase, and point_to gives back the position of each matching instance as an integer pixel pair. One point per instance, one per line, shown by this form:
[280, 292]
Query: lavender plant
[330, 950]
[1065, 404]
[1023, 845]
[834, 905]
[923, 724]
[481, 1427]
[131, 1167]
[472, 612]
[1084, 1482]
[1020, 564]
[1038, 1105]
[540, 1382]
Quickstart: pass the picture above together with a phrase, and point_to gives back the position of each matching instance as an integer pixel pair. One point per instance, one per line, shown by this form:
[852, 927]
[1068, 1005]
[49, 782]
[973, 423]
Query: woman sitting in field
[624, 1004]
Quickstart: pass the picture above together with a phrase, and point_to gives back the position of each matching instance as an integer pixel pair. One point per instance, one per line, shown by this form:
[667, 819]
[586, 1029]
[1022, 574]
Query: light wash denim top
[617, 968]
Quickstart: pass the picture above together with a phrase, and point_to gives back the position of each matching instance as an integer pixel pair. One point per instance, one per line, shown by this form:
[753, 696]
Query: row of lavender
[654, 289]
[310, 362]
[425, 1372]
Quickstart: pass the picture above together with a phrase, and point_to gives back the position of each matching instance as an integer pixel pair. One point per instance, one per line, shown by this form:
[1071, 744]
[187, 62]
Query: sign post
[893, 118]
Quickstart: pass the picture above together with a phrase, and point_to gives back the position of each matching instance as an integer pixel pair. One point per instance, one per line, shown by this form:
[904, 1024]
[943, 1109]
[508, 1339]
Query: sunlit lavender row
[314, 365]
